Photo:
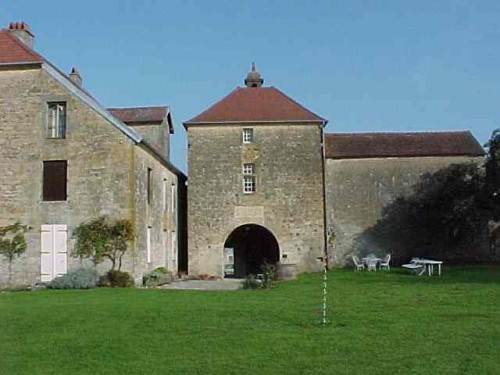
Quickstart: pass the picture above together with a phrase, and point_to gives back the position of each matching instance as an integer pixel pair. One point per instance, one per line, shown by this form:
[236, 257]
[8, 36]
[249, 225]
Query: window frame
[249, 178]
[248, 135]
[55, 125]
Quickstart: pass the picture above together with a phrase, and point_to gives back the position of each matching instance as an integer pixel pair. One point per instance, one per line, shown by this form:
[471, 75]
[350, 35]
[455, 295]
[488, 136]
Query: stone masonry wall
[288, 199]
[101, 178]
[159, 214]
[358, 189]
[156, 135]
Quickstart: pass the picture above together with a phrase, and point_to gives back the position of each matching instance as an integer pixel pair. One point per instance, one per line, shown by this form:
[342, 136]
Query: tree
[103, 238]
[492, 167]
[445, 217]
[12, 243]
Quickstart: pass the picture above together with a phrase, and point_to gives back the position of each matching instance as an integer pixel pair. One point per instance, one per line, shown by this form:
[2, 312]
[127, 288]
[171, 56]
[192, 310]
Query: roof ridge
[140, 107]
[400, 133]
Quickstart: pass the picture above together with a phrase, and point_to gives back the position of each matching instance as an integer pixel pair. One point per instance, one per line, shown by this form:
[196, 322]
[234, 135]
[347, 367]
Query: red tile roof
[255, 104]
[372, 145]
[141, 115]
[13, 51]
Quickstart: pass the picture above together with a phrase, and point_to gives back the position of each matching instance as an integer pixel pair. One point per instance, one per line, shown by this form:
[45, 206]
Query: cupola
[254, 78]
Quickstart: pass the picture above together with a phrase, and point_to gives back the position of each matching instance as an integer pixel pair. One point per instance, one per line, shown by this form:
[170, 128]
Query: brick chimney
[76, 77]
[22, 31]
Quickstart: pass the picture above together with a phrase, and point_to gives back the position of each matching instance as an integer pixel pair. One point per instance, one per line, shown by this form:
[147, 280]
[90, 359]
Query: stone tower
[255, 167]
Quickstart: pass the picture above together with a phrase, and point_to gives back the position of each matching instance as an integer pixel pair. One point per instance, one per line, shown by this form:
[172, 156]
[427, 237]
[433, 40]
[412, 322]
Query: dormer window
[247, 135]
[56, 120]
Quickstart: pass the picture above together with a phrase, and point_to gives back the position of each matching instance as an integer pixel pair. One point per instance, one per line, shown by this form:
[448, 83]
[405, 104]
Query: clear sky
[392, 65]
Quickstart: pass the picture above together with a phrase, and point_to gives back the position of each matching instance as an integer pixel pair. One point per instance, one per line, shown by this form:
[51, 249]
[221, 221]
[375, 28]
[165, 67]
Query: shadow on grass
[483, 274]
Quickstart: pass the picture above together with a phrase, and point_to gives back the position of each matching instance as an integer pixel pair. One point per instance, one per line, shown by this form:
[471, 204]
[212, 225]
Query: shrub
[81, 278]
[269, 274]
[157, 277]
[250, 282]
[115, 278]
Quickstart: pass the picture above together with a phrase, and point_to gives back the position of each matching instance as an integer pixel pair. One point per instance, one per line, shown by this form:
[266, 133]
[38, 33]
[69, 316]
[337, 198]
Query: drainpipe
[323, 165]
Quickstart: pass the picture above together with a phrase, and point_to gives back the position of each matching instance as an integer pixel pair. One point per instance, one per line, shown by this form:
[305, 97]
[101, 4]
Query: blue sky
[364, 65]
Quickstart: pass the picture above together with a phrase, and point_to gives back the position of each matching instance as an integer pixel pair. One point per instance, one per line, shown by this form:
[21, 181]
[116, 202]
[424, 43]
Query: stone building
[265, 183]
[255, 194]
[66, 159]
[263, 187]
[366, 172]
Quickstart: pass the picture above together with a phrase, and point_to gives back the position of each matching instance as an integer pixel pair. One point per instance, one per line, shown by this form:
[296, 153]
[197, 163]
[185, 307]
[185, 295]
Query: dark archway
[251, 245]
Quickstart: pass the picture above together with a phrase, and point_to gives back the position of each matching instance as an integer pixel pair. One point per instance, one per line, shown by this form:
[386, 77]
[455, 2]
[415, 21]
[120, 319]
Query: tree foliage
[450, 215]
[13, 242]
[492, 167]
[103, 239]
[445, 217]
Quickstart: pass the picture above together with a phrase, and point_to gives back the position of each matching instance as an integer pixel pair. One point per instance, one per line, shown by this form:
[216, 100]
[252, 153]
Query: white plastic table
[429, 264]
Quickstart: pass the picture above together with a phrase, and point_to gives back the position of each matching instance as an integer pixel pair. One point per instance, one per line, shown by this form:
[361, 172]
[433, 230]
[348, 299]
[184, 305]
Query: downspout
[323, 165]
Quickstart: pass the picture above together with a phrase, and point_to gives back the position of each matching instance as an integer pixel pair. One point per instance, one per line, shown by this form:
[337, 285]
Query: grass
[379, 323]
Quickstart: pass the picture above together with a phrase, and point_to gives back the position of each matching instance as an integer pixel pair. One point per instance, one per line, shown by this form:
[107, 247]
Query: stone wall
[157, 135]
[288, 200]
[104, 177]
[358, 189]
[159, 214]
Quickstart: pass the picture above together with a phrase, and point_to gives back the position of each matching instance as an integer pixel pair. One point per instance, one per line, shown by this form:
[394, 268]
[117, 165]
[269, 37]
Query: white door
[54, 251]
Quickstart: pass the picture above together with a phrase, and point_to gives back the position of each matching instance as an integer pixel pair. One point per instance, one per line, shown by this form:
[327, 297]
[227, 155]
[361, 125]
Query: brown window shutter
[55, 180]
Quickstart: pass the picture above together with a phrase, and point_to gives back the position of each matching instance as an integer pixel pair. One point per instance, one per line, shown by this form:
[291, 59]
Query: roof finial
[254, 78]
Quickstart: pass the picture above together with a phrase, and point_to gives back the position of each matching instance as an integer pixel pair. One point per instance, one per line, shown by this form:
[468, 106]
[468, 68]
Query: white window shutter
[60, 250]
[46, 263]
[54, 251]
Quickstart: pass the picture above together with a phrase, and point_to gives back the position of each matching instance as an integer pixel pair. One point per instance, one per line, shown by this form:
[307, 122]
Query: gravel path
[226, 284]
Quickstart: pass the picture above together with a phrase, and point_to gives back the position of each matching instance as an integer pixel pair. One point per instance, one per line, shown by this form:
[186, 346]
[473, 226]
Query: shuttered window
[54, 180]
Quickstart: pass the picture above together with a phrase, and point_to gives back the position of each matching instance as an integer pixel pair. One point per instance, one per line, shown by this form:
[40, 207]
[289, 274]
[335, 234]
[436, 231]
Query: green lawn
[379, 323]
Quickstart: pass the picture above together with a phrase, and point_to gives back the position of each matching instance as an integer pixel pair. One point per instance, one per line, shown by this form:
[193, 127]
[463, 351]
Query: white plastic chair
[358, 266]
[371, 263]
[385, 262]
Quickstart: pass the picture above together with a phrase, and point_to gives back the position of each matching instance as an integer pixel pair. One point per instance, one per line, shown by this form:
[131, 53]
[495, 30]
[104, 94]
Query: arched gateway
[247, 248]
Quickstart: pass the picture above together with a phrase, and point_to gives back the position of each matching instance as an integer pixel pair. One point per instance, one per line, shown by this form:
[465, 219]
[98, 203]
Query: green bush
[161, 270]
[115, 278]
[269, 275]
[159, 276]
[81, 278]
[250, 282]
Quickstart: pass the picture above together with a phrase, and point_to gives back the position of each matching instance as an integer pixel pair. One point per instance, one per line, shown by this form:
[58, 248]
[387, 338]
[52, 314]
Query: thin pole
[325, 279]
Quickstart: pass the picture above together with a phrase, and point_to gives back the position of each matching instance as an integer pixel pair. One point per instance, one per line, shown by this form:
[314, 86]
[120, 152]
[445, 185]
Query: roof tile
[255, 104]
[141, 115]
[13, 51]
[372, 145]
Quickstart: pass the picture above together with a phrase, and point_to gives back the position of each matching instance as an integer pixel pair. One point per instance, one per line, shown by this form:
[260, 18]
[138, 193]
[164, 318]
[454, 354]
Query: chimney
[21, 31]
[76, 77]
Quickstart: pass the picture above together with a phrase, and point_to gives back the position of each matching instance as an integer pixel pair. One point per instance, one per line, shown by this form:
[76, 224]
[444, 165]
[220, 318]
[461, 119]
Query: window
[174, 197]
[248, 168]
[247, 135]
[54, 180]
[249, 178]
[149, 185]
[148, 245]
[56, 120]
[165, 194]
